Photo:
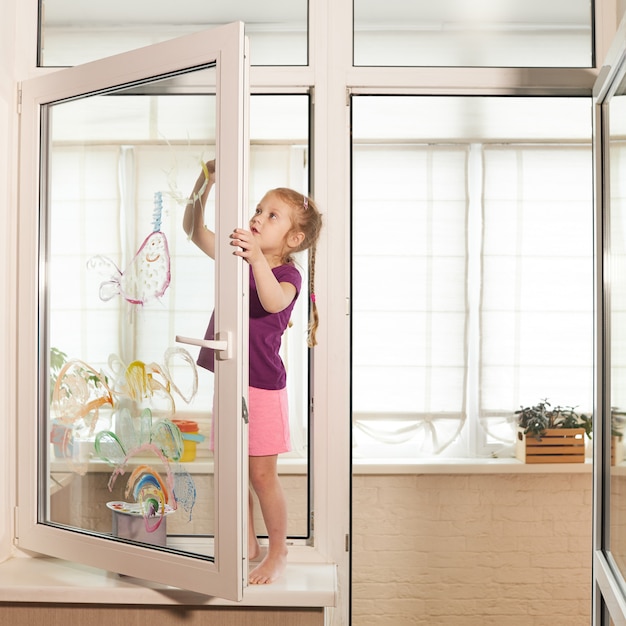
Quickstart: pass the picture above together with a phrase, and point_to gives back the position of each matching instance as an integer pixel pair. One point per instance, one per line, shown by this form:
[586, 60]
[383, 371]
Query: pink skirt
[268, 422]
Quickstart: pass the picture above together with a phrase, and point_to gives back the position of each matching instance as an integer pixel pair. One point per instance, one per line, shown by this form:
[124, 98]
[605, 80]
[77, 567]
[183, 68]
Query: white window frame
[225, 575]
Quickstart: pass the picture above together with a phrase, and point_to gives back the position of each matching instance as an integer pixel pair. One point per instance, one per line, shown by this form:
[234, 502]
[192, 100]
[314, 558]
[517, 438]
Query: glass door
[610, 413]
[125, 467]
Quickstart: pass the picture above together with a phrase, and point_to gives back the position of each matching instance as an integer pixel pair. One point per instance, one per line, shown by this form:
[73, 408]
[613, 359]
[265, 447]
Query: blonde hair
[308, 220]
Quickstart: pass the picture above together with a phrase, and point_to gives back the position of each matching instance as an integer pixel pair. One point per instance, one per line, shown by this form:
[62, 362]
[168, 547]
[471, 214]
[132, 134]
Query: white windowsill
[49, 580]
[201, 465]
[290, 466]
[465, 466]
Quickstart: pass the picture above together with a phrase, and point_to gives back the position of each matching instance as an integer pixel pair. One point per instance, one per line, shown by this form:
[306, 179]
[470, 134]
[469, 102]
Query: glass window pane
[128, 407]
[279, 157]
[616, 264]
[121, 169]
[495, 33]
[74, 31]
[470, 233]
[409, 291]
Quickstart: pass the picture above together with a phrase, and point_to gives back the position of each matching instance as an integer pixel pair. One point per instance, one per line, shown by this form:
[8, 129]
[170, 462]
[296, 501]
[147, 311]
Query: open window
[105, 391]
[609, 565]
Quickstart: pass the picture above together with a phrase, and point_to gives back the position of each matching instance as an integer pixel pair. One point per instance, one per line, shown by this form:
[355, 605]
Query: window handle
[244, 410]
[222, 344]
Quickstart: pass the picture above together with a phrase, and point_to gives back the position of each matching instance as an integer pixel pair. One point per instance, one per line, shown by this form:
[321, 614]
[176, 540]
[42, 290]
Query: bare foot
[257, 553]
[254, 550]
[269, 569]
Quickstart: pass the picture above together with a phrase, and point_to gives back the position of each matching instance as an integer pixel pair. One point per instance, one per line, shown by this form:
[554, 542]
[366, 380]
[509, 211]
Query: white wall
[8, 200]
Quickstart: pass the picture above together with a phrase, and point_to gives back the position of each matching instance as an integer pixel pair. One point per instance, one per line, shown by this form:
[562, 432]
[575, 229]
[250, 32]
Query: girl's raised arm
[193, 220]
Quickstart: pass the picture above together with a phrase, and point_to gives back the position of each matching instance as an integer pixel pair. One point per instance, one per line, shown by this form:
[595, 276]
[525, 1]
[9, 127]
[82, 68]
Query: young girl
[285, 222]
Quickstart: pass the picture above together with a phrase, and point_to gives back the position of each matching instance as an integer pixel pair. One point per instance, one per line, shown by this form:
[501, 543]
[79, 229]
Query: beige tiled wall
[465, 550]
[453, 550]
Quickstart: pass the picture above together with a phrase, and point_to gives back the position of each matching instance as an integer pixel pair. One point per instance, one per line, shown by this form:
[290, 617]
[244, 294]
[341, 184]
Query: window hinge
[348, 95]
[244, 410]
[19, 98]
[347, 543]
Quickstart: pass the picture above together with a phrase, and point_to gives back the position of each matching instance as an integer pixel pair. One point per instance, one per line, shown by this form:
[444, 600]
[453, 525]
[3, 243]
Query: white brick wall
[465, 550]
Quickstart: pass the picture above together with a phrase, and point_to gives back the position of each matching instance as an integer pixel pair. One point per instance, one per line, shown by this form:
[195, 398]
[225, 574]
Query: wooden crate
[617, 450]
[557, 445]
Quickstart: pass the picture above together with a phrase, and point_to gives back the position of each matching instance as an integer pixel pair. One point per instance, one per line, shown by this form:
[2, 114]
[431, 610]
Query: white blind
[536, 318]
[420, 364]
[409, 295]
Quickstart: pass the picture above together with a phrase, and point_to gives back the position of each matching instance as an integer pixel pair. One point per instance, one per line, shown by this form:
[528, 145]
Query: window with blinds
[472, 270]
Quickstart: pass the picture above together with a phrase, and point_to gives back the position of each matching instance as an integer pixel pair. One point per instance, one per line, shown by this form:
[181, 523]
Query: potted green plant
[548, 434]
[535, 420]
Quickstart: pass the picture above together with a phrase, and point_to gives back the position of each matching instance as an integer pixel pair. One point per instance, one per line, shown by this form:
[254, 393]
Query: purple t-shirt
[267, 370]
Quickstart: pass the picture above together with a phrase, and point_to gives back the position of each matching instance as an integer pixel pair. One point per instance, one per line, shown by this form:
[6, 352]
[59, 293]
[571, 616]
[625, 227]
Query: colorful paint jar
[191, 437]
[130, 522]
